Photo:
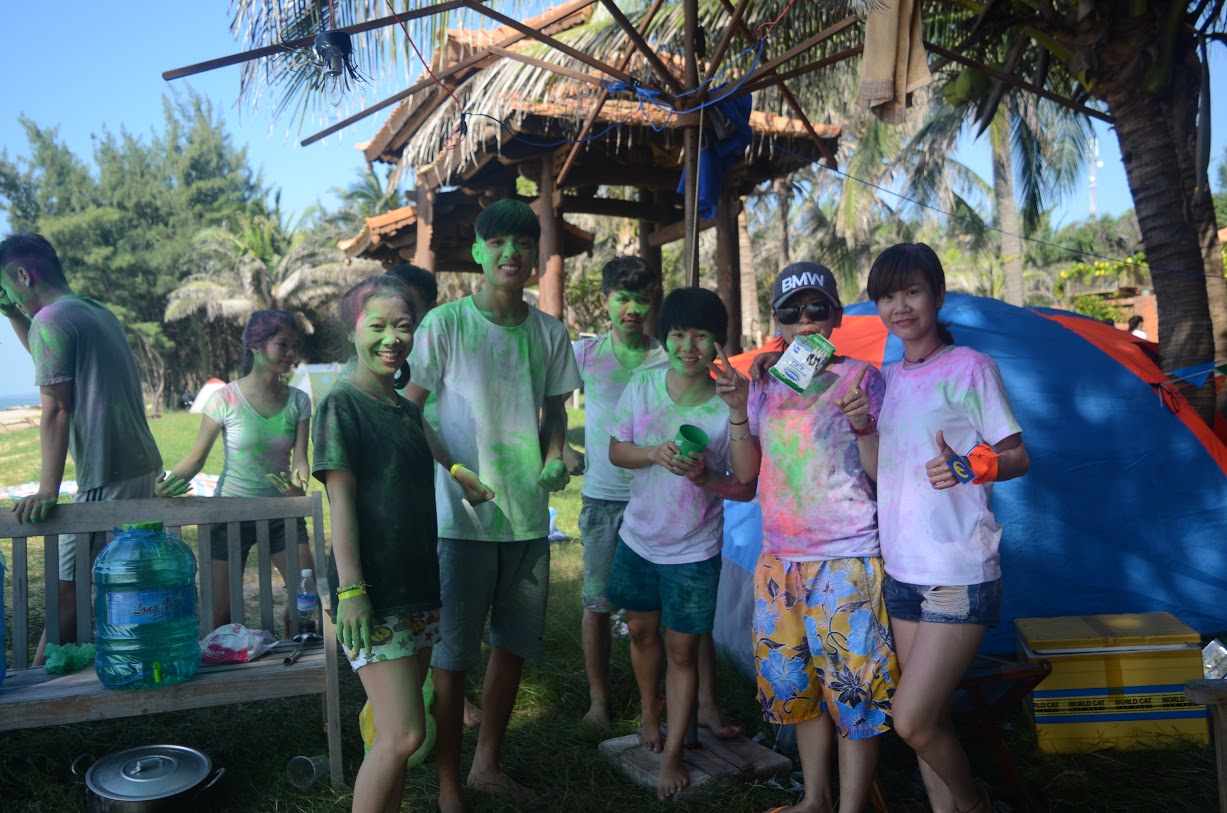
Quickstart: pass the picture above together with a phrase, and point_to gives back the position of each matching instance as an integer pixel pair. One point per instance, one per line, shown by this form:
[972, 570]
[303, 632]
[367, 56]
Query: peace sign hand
[855, 402]
[731, 385]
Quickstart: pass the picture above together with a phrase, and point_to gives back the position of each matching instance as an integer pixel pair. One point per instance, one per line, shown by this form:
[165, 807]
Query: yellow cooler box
[1117, 681]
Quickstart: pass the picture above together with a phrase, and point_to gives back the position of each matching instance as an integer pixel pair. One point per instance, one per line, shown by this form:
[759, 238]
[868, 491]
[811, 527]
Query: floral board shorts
[397, 636]
[822, 642]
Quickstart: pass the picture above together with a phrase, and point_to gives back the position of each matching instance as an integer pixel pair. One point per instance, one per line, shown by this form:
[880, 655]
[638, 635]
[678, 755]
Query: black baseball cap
[804, 277]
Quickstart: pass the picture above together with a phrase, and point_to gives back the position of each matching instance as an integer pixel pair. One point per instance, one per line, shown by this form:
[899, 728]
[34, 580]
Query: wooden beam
[611, 207]
[601, 99]
[658, 67]
[809, 67]
[725, 39]
[270, 50]
[562, 12]
[424, 252]
[1017, 82]
[569, 73]
[675, 231]
[553, 280]
[539, 36]
[801, 47]
[690, 153]
[728, 266]
[650, 177]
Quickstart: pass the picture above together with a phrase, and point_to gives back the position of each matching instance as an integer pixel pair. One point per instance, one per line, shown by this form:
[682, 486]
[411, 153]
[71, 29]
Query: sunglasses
[814, 311]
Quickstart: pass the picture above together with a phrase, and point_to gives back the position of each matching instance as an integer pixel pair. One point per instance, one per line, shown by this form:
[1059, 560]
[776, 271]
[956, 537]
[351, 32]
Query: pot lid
[148, 772]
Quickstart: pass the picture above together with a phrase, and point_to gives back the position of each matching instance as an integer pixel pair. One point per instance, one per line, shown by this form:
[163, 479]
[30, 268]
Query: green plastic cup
[690, 440]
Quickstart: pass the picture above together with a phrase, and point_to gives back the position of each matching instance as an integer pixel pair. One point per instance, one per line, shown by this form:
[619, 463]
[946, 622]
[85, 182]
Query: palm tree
[365, 197]
[1140, 61]
[257, 264]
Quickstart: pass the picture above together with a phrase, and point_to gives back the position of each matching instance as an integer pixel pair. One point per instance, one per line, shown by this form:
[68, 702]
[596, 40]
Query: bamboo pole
[270, 50]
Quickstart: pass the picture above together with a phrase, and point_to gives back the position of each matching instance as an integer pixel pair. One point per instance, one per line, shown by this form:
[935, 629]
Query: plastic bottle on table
[146, 627]
[308, 603]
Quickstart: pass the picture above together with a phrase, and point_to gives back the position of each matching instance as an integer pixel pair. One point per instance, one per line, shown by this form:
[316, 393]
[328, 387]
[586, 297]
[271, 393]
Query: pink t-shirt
[816, 499]
[947, 537]
[669, 520]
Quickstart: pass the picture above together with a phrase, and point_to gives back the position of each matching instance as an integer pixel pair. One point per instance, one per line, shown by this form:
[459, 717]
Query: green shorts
[684, 594]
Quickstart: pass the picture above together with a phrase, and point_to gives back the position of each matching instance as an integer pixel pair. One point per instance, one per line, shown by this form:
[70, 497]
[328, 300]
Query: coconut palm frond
[193, 295]
[382, 53]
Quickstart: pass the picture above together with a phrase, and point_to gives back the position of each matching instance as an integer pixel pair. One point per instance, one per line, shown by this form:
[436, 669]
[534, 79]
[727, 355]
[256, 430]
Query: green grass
[546, 746]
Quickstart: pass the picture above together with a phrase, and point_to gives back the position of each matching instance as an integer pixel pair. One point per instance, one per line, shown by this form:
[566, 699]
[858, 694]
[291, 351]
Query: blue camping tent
[1124, 509]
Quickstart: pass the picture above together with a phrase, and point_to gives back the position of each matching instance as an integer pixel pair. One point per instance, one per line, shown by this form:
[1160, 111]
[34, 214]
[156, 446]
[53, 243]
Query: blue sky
[84, 67]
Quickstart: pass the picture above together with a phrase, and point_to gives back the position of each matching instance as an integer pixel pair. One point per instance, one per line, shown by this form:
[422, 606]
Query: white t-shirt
[605, 380]
[932, 537]
[818, 503]
[491, 382]
[669, 520]
[256, 446]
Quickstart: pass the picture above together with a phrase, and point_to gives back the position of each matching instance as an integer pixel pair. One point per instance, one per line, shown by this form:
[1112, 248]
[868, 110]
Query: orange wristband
[983, 460]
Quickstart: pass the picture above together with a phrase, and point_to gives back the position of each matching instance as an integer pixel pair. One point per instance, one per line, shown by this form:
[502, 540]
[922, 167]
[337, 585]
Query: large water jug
[145, 609]
[2, 649]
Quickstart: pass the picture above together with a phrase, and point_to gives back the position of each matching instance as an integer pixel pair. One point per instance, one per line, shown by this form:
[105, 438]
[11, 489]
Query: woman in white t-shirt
[945, 415]
[263, 422]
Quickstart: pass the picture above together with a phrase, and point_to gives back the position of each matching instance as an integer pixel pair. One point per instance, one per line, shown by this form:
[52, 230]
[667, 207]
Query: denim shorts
[684, 594]
[944, 604]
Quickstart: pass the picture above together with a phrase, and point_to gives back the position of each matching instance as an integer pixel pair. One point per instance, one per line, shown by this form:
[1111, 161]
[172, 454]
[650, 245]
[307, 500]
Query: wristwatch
[870, 429]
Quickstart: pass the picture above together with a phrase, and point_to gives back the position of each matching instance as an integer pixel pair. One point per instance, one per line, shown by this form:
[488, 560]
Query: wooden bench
[1213, 694]
[31, 698]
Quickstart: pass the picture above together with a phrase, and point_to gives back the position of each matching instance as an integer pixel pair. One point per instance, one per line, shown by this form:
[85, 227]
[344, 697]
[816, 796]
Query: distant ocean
[29, 399]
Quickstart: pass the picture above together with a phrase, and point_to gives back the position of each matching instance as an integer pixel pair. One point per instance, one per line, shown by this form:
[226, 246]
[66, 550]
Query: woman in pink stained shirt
[945, 414]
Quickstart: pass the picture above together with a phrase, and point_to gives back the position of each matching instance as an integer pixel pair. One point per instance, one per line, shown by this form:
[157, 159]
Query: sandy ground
[18, 418]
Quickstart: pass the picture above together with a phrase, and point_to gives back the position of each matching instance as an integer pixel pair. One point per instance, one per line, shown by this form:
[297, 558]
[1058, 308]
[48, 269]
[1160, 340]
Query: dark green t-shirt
[385, 448]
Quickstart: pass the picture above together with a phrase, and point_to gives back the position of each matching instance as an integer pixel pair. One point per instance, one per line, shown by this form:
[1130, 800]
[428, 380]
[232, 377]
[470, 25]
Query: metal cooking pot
[149, 779]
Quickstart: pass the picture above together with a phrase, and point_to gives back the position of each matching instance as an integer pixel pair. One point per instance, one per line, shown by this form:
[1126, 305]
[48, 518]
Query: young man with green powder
[502, 371]
[606, 364]
[92, 406]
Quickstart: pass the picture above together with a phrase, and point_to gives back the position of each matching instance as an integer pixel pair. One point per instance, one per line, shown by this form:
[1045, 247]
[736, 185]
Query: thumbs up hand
[938, 469]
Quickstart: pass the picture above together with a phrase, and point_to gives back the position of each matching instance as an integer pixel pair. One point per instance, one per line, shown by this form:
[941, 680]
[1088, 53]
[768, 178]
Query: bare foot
[472, 714]
[713, 718]
[673, 777]
[497, 782]
[650, 736]
[451, 798]
[598, 715]
[803, 806]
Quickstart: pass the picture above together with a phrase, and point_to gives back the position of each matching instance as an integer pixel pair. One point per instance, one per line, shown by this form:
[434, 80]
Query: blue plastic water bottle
[145, 609]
